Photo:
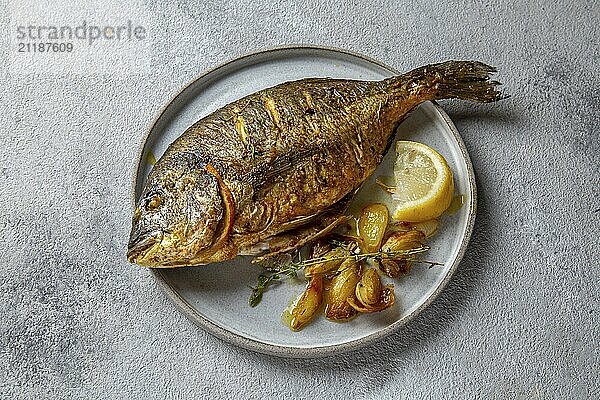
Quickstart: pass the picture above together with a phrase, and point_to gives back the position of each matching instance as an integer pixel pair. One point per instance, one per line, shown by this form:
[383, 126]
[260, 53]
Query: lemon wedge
[424, 184]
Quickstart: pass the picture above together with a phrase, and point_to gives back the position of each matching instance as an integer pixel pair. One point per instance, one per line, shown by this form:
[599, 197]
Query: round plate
[215, 296]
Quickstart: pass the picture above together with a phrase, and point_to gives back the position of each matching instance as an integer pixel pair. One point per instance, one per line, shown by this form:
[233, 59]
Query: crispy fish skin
[277, 160]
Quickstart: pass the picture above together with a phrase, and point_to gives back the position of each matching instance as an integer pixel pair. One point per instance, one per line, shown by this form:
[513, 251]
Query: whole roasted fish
[274, 170]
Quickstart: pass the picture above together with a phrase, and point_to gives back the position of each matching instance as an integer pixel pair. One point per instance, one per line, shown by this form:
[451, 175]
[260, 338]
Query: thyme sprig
[291, 269]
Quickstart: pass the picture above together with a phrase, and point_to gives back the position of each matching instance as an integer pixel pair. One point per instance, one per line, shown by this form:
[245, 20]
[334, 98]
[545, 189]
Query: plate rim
[290, 351]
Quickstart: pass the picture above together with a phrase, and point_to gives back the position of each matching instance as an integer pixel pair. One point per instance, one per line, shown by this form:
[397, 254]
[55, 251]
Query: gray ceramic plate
[215, 297]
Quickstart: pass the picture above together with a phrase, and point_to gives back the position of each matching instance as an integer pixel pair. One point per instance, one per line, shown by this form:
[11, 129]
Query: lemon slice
[424, 183]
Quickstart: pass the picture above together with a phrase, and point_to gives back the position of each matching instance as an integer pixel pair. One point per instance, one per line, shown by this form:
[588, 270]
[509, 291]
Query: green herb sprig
[291, 269]
[264, 281]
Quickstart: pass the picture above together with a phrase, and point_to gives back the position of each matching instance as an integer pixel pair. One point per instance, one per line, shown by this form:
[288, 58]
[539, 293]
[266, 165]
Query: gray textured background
[518, 320]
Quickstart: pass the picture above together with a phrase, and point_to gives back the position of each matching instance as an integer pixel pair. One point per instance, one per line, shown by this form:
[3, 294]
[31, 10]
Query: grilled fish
[274, 170]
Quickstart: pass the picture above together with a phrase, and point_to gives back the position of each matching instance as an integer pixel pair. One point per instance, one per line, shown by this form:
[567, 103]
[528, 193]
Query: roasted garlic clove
[400, 240]
[335, 256]
[368, 290]
[429, 228]
[394, 268]
[307, 305]
[372, 225]
[342, 288]
[386, 300]
[403, 240]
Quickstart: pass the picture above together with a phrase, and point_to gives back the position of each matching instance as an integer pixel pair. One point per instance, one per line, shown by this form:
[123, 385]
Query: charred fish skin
[279, 158]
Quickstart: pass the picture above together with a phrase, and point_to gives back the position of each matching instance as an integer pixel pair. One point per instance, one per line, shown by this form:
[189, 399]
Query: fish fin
[465, 80]
[338, 208]
[295, 239]
[298, 222]
[310, 227]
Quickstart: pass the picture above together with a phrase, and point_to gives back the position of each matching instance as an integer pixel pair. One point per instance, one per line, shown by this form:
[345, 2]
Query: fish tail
[466, 80]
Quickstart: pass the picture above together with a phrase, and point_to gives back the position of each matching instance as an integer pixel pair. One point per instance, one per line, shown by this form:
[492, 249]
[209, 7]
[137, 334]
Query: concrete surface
[519, 319]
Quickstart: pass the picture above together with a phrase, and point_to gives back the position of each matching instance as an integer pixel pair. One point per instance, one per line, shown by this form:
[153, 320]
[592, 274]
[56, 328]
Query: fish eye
[153, 202]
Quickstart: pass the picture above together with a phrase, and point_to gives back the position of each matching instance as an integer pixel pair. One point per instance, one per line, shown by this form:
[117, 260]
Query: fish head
[179, 218]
